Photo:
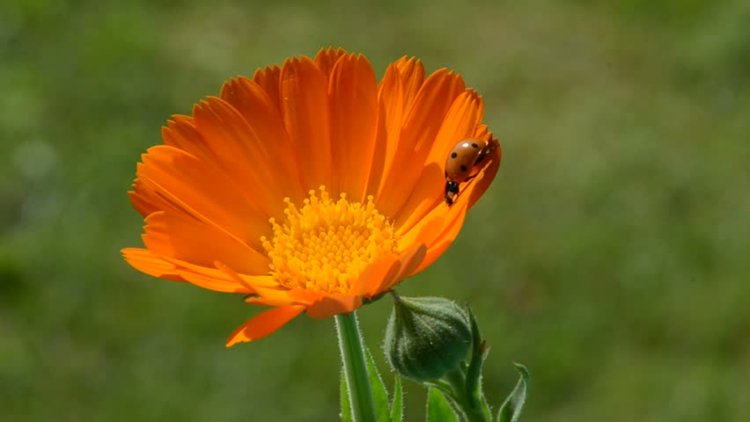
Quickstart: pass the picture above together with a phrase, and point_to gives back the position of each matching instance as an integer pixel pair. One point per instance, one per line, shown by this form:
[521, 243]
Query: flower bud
[426, 337]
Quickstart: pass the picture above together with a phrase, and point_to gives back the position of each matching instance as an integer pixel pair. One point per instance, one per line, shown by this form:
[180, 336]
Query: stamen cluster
[326, 244]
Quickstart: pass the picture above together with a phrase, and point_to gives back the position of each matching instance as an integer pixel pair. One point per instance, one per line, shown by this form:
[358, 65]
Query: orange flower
[310, 187]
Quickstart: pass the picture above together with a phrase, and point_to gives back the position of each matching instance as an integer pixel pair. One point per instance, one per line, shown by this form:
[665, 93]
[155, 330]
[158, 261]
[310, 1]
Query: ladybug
[463, 164]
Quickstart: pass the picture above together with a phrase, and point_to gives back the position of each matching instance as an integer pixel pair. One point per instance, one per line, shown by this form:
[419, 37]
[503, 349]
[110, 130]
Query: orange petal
[420, 128]
[483, 132]
[376, 275]
[353, 94]
[412, 75]
[391, 116]
[439, 243]
[270, 296]
[268, 79]
[181, 133]
[264, 324]
[177, 270]
[218, 280]
[263, 116]
[327, 58]
[428, 193]
[383, 274]
[253, 283]
[243, 155]
[396, 93]
[172, 180]
[330, 305]
[182, 237]
[211, 279]
[147, 262]
[482, 182]
[461, 122]
[411, 259]
[429, 230]
[304, 102]
[219, 136]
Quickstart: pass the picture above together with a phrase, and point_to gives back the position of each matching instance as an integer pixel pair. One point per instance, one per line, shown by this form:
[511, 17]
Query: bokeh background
[610, 255]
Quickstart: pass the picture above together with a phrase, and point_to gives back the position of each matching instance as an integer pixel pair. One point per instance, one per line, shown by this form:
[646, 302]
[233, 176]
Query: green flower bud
[426, 337]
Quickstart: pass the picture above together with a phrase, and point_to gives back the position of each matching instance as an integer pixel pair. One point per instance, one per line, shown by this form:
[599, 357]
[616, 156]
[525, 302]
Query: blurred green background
[610, 256]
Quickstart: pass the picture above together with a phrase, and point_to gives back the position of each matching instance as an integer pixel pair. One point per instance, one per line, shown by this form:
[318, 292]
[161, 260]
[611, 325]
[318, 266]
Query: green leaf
[511, 409]
[397, 406]
[379, 392]
[346, 404]
[438, 408]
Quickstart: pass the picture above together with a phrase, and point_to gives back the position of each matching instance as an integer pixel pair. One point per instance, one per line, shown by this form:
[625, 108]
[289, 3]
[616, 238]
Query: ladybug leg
[451, 192]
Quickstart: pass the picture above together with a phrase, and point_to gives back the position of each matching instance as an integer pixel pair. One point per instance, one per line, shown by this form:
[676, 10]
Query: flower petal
[410, 259]
[461, 122]
[149, 263]
[420, 128]
[396, 93]
[264, 324]
[304, 103]
[333, 304]
[269, 296]
[274, 151]
[172, 180]
[268, 292]
[482, 182]
[428, 193]
[379, 273]
[441, 233]
[210, 278]
[217, 280]
[353, 94]
[327, 58]
[220, 151]
[182, 237]
[268, 79]
[411, 72]
[181, 133]
[242, 154]
[174, 269]
[254, 283]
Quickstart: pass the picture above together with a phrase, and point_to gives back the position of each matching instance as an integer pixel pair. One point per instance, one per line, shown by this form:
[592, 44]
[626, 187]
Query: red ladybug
[463, 164]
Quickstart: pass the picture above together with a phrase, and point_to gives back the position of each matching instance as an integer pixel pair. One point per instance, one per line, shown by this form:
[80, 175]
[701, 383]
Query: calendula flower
[310, 187]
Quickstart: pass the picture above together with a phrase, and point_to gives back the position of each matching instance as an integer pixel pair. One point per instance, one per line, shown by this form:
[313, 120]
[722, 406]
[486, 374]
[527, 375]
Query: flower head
[310, 187]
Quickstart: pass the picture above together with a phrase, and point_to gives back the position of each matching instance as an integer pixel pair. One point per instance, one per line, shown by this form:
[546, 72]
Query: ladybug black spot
[463, 168]
[454, 154]
[475, 146]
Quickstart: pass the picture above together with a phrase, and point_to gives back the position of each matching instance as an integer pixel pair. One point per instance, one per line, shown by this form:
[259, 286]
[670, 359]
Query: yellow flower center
[326, 244]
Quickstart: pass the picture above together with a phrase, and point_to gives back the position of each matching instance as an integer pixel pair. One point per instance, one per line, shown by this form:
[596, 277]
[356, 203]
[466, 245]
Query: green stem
[470, 404]
[355, 368]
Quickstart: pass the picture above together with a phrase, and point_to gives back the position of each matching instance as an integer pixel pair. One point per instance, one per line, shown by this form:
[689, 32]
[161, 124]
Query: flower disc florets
[326, 244]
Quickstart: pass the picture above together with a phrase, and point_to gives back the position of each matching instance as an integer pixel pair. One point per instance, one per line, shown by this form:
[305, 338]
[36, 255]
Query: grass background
[610, 255]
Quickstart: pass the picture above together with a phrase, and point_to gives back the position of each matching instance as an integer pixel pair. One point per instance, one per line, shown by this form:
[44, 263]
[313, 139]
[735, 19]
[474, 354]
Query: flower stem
[473, 406]
[355, 368]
